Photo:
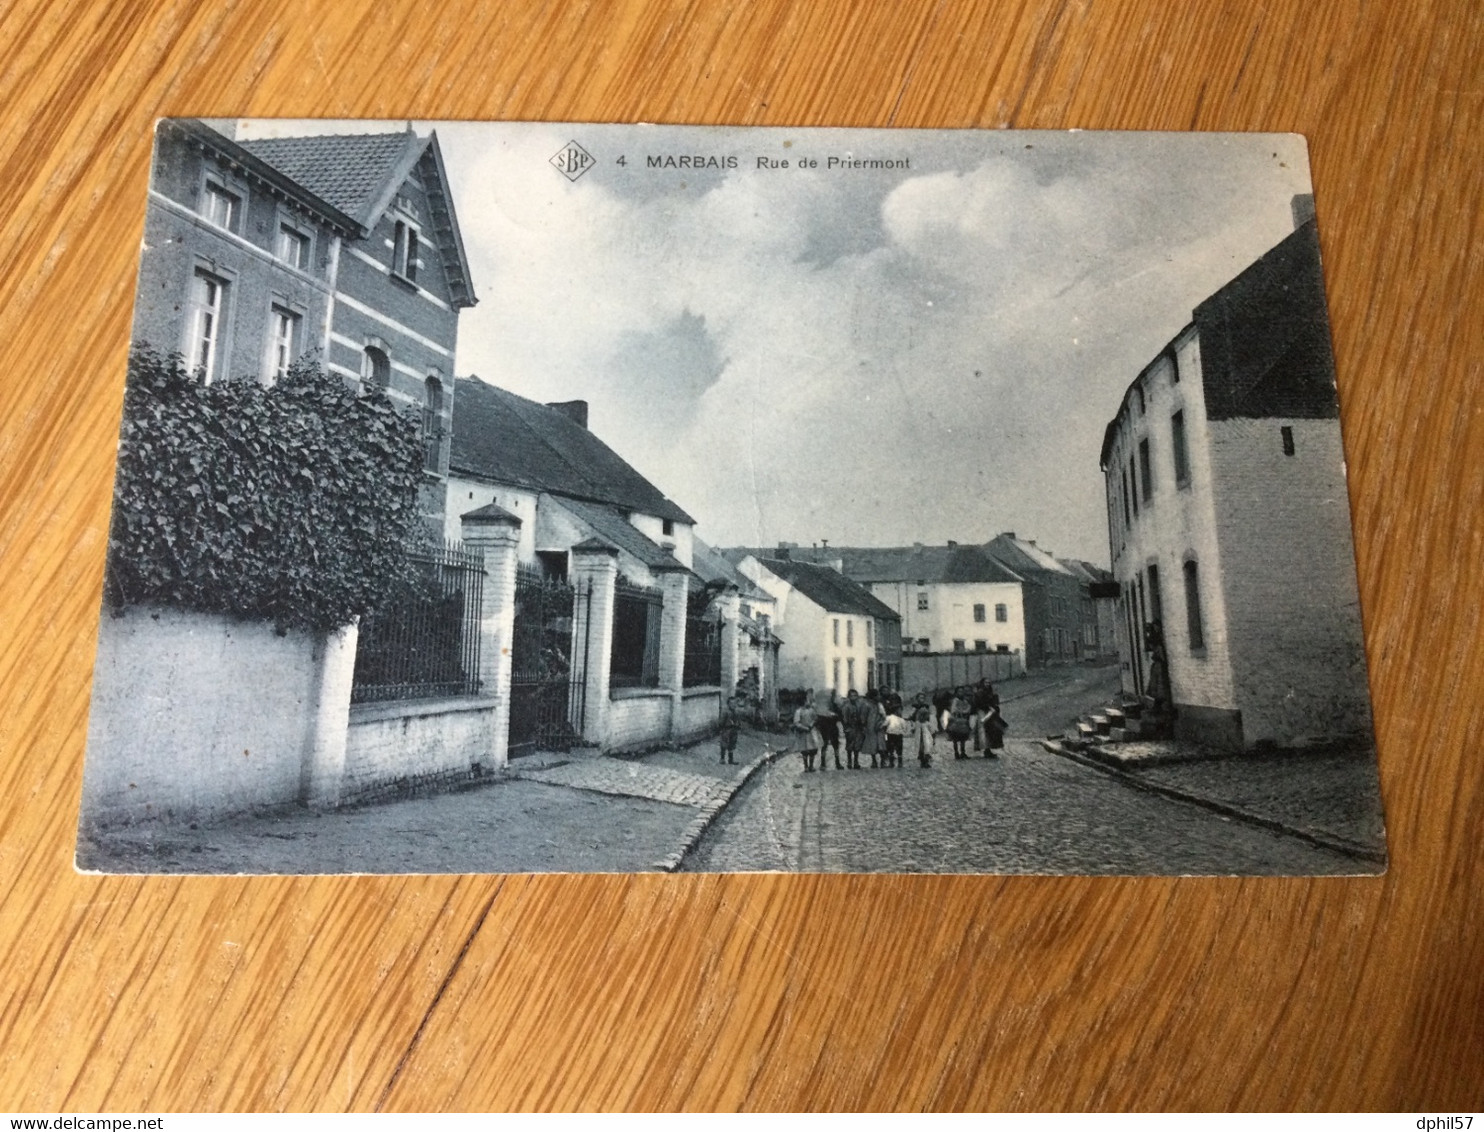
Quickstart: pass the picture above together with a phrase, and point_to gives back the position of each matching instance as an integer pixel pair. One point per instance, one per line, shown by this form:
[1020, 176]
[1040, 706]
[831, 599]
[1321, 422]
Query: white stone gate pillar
[594, 573]
[730, 607]
[675, 585]
[494, 533]
[324, 767]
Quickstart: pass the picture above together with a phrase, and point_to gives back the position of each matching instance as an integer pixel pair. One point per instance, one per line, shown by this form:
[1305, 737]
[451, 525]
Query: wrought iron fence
[702, 643]
[547, 698]
[425, 642]
[635, 659]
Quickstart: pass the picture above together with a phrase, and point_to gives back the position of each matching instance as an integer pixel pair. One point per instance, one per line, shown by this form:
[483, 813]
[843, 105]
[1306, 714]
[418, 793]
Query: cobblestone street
[1029, 811]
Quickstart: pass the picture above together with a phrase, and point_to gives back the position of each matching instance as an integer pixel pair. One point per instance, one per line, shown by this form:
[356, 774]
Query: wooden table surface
[760, 991]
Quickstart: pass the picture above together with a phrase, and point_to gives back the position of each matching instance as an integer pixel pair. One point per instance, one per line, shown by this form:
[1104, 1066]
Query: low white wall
[196, 715]
[700, 712]
[637, 717]
[407, 742]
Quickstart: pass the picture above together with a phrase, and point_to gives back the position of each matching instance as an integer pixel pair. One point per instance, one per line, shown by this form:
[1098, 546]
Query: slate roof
[508, 439]
[712, 566]
[951, 564]
[351, 171]
[830, 590]
[1086, 570]
[1020, 556]
[612, 527]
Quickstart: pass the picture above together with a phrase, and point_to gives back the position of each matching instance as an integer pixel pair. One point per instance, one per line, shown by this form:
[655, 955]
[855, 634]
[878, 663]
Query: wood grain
[759, 992]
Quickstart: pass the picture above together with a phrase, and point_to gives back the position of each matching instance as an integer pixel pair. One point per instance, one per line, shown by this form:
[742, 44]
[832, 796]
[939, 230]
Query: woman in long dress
[959, 728]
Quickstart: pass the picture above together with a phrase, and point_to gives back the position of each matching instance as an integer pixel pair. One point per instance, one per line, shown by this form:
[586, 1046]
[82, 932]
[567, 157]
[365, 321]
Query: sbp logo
[572, 161]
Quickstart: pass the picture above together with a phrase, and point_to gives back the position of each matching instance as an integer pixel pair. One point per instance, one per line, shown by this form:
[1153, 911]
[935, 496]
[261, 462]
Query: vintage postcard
[512, 497]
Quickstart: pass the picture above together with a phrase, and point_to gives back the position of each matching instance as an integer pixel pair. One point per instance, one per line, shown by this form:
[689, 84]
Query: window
[404, 252]
[978, 613]
[1002, 648]
[667, 526]
[1133, 480]
[850, 633]
[433, 425]
[1146, 470]
[1156, 599]
[958, 645]
[293, 247]
[870, 674]
[221, 206]
[981, 646]
[924, 644]
[1193, 624]
[376, 369]
[1001, 613]
[1287, 431]
[207, 307]
[283, 340]
[835, 674]
[850, 673]
[922, 599]
[869, 624]
[835, 631]
[1126, 520]
[746, 610]
[1177, 445]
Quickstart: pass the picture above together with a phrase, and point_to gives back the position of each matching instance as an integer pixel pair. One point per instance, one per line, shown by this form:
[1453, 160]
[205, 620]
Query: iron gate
[547, 704]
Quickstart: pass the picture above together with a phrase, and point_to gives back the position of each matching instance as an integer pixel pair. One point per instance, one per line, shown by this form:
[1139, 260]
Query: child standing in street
[896, 729]
[804, 727]
[730, 723]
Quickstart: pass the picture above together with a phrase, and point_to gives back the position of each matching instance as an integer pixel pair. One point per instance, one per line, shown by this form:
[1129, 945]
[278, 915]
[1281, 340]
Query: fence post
[594, 570]
[325, 766]
[494, 533]
[675, 585]
[730, 607]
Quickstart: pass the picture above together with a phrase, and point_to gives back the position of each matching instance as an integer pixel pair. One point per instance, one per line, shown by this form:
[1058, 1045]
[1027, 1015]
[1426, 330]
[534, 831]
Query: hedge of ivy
[295, 503]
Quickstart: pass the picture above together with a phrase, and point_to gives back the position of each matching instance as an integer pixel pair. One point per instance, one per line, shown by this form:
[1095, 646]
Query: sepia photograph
[540, 497]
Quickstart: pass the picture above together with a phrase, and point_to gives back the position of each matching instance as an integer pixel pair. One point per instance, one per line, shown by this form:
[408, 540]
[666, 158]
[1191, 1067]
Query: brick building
[257, 252]
[1229, 523]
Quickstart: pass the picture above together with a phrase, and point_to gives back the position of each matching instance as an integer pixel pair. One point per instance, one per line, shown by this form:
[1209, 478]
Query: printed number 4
[622, 160]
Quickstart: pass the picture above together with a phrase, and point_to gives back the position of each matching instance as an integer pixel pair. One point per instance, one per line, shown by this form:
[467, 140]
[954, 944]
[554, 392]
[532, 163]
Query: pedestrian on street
[983, 700]
[875, 721]
[827, 721]
[920, 733]
[853, 715]
[994, 733]
[895, 728]
[804, 726]
[730, 723]
[958, 722]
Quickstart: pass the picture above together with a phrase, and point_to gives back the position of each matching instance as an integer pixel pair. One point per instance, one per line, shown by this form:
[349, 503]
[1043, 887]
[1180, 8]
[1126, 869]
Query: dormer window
[667, 526]
[221, 206]
[404, 251]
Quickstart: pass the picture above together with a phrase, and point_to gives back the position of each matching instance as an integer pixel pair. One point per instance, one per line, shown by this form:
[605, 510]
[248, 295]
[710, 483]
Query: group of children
[882, 728]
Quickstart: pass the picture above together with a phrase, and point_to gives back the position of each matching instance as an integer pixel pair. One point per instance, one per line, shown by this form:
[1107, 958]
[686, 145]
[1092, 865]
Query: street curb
[697, 829]
[1322, 840]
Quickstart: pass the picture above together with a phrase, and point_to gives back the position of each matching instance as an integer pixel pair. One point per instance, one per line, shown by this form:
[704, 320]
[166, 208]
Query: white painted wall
[465, 495]
[950, 613]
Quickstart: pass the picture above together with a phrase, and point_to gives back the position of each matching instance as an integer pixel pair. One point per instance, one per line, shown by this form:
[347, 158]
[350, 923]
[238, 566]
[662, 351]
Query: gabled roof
[830, 590]
[613, 528]
[351, 171]
[712, 566]
[1023, 557]
[507, 439]
[1086, 570]
[359, 174]
[944, 564]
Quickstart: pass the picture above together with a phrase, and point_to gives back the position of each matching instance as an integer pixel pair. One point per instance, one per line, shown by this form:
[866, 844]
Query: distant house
[610, 619]
[259, 251]
[1099, 609]
[837, 634]
[1053, 597]
[1228, 515]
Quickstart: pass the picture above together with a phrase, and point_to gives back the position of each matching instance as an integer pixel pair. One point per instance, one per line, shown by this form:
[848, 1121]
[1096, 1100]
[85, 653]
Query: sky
[865, 356]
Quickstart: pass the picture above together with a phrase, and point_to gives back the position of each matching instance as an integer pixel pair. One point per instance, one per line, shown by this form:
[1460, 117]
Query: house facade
[1229, 523]
[610, 620]
[259, 251]
[1052, 595]
[836, 634]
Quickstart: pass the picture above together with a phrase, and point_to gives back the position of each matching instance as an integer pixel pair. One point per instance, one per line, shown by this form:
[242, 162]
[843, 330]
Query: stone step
[1102, 723]
[1115, 716]
[1086, 732]
[1133, 709]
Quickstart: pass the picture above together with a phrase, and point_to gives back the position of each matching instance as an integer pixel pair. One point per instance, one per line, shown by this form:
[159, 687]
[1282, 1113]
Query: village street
[1028, 811]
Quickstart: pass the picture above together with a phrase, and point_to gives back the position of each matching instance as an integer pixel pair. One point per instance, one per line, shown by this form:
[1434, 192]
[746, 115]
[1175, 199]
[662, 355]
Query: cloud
[863, 357]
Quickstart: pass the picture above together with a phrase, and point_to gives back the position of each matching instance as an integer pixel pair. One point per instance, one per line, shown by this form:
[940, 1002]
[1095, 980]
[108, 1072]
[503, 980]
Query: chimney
[952, 543]
[917, 546]
[576, 411]
[784, 552]
[1303, 209]
[1008, 535]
